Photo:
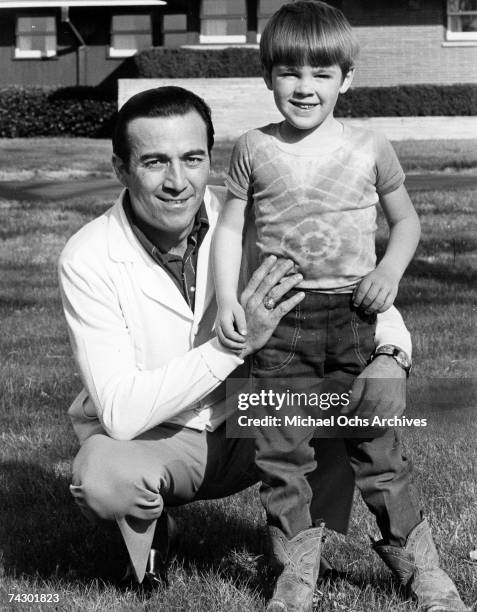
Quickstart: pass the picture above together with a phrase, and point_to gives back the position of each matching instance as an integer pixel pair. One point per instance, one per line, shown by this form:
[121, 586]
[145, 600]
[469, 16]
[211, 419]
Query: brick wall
[396, 55]
[237, 104]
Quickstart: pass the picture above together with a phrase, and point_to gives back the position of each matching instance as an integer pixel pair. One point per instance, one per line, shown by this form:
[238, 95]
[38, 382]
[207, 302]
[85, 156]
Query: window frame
[171, 31]
[114, 52]
[452, 35]
[36, 53]
[223, 38]
[261, 16]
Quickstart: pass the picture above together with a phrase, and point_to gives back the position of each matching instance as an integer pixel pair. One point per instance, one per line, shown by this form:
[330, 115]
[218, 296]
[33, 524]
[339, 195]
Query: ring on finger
[269, 302]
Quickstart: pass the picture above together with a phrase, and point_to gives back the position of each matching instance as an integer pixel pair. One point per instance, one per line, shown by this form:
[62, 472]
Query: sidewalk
[109, 188]
[420, 128]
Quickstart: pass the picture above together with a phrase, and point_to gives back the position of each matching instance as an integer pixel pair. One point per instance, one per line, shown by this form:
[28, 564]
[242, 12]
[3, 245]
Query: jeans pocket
[363, 327]
[280, 349]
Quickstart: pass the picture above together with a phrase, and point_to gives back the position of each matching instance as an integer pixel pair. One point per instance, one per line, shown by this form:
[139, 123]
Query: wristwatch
[401, 357]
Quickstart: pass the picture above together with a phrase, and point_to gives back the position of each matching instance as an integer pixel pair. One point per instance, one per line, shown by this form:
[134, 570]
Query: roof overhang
[32, 4]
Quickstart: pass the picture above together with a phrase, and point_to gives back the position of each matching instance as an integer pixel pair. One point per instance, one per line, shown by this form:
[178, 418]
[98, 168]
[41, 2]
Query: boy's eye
[286, 72]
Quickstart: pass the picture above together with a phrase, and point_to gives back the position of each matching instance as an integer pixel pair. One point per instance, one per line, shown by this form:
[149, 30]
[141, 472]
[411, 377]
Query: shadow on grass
[8, 303]
[455, 270]
[448, 272]
[43, 534]
[236, 550]
[214, 538]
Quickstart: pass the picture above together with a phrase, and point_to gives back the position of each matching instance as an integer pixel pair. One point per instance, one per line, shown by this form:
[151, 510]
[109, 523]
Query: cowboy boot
[299, 562]
[416, 566]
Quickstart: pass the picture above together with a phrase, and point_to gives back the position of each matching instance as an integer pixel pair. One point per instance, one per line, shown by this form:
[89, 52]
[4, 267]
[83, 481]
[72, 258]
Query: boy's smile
[306, 95]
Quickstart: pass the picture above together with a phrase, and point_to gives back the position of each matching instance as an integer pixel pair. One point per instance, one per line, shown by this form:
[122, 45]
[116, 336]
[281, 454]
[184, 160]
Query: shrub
[84, 92]
[408, 100]
[45, 112]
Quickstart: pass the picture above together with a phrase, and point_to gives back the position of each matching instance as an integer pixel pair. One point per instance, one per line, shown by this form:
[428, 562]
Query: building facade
[91, 42]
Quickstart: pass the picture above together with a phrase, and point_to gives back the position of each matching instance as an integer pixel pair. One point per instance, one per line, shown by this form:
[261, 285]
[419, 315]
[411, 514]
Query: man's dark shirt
[182, 270]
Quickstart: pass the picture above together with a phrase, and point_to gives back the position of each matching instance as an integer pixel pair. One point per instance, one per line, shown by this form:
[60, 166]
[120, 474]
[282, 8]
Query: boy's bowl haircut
[309, 33]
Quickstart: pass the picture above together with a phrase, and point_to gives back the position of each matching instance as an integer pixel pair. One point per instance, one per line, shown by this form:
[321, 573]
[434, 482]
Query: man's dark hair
[167, 101]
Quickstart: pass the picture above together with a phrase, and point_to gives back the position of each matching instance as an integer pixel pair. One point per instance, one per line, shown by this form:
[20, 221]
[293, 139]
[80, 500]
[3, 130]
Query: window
[462, 20]
[35, 36]
[266, 8]
[174, 30]
[223, 21]
[129, 34]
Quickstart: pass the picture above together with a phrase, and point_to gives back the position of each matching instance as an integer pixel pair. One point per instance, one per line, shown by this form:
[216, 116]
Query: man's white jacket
[144, 357]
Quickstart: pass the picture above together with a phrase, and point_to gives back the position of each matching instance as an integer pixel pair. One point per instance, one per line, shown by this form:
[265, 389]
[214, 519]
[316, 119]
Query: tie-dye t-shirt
[317, 208]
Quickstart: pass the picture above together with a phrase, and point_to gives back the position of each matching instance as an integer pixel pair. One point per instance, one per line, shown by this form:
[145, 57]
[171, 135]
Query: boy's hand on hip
[380, 390]
[377, 291]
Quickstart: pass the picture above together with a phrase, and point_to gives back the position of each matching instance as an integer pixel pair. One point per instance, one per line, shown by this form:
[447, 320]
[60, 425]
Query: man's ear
[347, 80]
[267, 77]
[120, 169]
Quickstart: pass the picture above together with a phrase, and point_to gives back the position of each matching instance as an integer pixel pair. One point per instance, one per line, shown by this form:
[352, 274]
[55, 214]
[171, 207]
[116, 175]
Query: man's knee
[107, 485]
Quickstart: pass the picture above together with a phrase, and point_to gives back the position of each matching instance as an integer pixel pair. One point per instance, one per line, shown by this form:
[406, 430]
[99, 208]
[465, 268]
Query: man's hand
[270, 280]
[380, 390]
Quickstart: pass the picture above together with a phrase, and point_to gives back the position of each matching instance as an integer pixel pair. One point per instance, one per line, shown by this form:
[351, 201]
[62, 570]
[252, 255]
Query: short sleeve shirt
[317, 208]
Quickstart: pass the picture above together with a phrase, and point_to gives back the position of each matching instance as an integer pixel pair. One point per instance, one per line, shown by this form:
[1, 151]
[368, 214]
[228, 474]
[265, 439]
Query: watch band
[400, 356]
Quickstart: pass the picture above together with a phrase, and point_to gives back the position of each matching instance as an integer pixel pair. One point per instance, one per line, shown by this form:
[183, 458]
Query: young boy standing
[313, 184]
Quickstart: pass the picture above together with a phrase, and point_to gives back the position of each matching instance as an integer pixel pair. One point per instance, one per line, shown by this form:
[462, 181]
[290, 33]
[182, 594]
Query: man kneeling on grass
[139, 301]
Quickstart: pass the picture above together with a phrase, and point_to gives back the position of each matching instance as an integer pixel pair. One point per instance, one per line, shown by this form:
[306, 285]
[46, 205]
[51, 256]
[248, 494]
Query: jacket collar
[123, 246]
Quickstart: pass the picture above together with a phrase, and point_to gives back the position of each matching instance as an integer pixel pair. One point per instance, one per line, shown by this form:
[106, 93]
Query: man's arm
[390, 329]
[380, 389]
[129, 399]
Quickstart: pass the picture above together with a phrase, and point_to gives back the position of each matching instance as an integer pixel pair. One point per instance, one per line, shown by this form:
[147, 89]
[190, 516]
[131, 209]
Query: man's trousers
[130, 481]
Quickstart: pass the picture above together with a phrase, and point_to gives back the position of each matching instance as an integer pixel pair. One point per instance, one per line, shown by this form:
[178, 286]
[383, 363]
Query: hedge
[89, 111]
[63, 112]
[408, 100]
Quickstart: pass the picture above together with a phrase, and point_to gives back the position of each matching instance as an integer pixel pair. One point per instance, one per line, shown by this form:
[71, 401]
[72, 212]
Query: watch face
[403, 359]
[387, 349]
[399, 355]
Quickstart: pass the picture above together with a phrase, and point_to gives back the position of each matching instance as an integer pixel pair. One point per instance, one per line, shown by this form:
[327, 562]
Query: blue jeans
[320, 347]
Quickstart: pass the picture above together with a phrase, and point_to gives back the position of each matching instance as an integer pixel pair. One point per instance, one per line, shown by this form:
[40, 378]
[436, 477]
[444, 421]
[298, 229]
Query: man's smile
[173, 201]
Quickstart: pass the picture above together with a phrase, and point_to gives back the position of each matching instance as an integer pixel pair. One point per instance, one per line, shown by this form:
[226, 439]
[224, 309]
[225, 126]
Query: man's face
[167, 172]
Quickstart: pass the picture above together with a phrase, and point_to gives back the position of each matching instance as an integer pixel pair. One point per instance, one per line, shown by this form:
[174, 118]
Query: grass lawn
[55, 158]
[46, 546]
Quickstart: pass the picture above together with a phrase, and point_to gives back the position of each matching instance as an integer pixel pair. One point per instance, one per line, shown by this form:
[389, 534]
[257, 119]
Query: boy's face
[306, 95]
